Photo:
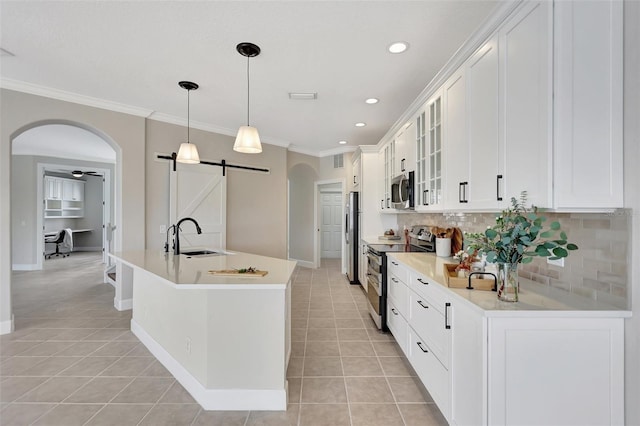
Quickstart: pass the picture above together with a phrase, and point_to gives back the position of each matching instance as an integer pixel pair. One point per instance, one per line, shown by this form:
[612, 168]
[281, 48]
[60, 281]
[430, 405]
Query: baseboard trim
[25, 267]
[123, 305]
[6, 327]
[213, 399]
[304, 263]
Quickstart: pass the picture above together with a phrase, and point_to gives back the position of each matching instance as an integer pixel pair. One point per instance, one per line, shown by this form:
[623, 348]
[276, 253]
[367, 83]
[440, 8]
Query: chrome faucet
[176, 245]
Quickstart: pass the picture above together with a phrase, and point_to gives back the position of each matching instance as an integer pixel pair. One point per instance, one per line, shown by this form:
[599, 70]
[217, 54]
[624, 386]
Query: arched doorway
[62, 178]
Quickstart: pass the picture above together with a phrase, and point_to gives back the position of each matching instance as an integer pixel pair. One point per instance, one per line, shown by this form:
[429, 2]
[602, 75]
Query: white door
[199, 191]
[331, 228]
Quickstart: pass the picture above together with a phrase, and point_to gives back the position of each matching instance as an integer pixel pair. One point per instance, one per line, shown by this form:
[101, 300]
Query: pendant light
[248, 140]
[188, 152]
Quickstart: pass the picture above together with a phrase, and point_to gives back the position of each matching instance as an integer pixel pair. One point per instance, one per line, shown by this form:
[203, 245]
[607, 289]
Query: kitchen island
[226, 339]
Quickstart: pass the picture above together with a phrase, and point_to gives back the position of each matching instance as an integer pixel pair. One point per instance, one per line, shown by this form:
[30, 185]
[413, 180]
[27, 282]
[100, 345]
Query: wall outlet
[188, 345]
[163, 229]
[559, 262]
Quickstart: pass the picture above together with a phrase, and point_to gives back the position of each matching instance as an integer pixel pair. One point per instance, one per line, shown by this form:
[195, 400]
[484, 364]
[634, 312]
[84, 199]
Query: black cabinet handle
[402, 168]
[394, 311]
[388, 202]
[421, 348]
[446, 315]
[425, 283]
[464, 198]
[354, 179]
[381, 204]
[423, 305]
[460, 192]
[394, 280]
[498, 179]
[394, 263]
[425, 197]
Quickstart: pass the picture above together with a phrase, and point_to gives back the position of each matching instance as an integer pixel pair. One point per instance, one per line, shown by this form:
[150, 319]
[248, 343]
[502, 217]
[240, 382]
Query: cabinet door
[357, 172]
[78, 191]
[457, 153]
[53, 188]
[526, 93]
[467, 367]
[404, 149]
[588, 104]
[482, 120]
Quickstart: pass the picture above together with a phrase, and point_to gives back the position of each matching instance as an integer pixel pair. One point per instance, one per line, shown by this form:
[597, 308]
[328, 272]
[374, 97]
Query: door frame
[331, 191]
[316, 222]
[106, 211]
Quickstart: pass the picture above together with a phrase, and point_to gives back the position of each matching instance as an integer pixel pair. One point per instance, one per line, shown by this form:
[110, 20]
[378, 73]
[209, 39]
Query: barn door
[199, 191]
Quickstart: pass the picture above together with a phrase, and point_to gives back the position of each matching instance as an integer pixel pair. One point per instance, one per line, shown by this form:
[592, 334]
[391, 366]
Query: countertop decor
[517, 237]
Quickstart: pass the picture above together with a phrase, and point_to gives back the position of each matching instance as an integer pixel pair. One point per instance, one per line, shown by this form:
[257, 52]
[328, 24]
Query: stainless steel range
[420, 240]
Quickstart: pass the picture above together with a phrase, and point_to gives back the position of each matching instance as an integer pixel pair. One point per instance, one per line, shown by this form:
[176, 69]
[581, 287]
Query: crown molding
[63, 95]
[484, 31]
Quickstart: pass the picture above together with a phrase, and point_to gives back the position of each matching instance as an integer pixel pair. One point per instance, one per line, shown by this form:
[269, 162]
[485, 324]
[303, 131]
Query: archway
[48, 153]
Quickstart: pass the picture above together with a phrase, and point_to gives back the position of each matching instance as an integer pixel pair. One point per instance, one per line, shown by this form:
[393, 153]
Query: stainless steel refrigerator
[352, 236]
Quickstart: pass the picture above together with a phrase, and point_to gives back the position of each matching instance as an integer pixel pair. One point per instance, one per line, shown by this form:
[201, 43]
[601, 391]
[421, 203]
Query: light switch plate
[558, 262]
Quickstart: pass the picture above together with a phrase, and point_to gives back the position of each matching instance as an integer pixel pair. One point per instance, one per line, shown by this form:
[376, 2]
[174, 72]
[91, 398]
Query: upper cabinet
[525, 119]
[388, 163]
[52, 188]
[429, 150]
[357, 173]
[63, 198]
[455, 131]
[588, 145]
[72, 190]
[405, 153]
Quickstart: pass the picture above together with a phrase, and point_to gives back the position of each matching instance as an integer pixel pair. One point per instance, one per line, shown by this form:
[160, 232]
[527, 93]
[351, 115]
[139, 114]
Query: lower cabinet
[502, 367]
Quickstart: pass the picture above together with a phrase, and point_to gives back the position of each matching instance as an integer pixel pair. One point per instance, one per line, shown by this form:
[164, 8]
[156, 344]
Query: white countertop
[534, 299]
[192, 272]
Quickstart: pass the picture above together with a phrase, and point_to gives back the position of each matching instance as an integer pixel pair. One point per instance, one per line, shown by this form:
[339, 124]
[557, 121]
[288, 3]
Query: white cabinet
[525, 85]
[72, 190]
[482, 133]
[388, 161]
[362, 265]
[429, 148]
[588, 145]
[357, 173]
[404, 149]
[63, 198]
[456, 155]
[486, 364]
[52, 188]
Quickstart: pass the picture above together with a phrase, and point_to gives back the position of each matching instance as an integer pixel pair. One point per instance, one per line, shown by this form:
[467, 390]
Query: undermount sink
[200, 253]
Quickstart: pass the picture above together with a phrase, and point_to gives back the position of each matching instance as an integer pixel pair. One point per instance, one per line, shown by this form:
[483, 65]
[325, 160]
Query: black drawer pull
[425, 283]
[394, 280]
[394, 263]
[447, 305]
[423, 305]
[394, 311]
[498, 196]
[421, 348]
[425, 197]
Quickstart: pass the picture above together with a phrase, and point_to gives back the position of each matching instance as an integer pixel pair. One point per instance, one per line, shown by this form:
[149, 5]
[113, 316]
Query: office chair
[57, 240]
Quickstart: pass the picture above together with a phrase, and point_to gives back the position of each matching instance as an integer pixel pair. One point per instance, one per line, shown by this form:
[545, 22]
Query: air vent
[338, 161]
[303, 96]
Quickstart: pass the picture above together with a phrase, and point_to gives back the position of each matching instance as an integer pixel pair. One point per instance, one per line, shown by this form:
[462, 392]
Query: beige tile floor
[73, 361]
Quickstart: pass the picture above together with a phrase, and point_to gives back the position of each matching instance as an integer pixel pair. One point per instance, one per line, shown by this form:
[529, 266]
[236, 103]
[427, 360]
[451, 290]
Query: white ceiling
[135, 52]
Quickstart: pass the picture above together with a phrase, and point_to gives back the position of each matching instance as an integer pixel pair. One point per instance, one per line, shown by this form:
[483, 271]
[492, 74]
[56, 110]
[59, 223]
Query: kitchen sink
[200, 253]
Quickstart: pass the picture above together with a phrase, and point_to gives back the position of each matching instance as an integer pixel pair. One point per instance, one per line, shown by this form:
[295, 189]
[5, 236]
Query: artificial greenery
[518, 236]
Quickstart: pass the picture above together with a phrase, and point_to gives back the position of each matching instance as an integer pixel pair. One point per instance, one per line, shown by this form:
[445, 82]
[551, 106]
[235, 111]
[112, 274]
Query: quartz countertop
[534, 299]
[378, 240]
[186, 272]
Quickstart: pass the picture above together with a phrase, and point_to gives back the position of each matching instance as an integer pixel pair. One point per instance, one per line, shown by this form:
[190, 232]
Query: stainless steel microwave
[402, 192]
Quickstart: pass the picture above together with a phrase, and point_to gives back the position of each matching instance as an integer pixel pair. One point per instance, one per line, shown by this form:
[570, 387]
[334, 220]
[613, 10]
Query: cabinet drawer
[429, 289]
[400, 271]
[430, 325]
[397, 291]
[431, 372]
[398, 326]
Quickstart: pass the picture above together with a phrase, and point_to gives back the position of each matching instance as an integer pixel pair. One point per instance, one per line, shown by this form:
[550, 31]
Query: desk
[73, 231]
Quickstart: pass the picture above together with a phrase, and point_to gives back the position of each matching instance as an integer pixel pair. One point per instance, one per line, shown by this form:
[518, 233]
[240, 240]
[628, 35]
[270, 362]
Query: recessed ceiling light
[361, 124]
[342, 142]
[371, 101]
[398, 47]
[303, 96]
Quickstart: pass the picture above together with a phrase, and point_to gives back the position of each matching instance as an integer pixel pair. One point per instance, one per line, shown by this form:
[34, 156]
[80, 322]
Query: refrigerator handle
[346, 228]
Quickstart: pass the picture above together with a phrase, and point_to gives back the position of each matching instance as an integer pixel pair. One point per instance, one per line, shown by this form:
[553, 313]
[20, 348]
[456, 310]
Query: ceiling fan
[80, 173]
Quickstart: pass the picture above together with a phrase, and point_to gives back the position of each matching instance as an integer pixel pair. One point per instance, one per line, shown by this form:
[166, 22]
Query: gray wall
[302, 178]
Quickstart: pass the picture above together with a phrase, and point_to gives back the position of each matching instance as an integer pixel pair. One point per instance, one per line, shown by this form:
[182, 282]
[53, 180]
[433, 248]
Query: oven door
[373, 295]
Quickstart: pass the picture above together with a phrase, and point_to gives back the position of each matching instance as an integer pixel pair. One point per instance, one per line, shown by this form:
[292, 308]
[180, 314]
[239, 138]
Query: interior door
[331, 228]
[199, 191]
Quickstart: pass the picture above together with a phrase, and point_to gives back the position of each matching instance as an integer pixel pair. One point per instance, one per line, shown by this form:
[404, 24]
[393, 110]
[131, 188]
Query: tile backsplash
[598, 270]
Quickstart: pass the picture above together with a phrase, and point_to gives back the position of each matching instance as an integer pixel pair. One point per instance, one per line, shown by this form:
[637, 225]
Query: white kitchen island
[226, 339]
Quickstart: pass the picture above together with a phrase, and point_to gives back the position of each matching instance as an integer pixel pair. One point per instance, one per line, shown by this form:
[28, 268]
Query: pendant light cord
[188, 103]
[247, 90]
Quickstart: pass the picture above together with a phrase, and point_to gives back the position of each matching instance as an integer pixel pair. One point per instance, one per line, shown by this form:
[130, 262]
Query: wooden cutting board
[456, 240]
[236, 273]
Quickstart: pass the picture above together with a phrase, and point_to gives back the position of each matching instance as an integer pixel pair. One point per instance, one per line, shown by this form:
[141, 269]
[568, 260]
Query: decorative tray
[454, 281]
[238, 273]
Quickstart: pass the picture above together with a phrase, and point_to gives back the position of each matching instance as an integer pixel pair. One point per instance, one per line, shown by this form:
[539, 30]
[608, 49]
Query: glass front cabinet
[429, 155]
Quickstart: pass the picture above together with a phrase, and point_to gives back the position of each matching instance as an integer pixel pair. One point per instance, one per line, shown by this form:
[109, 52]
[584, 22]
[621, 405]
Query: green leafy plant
[519, 235]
